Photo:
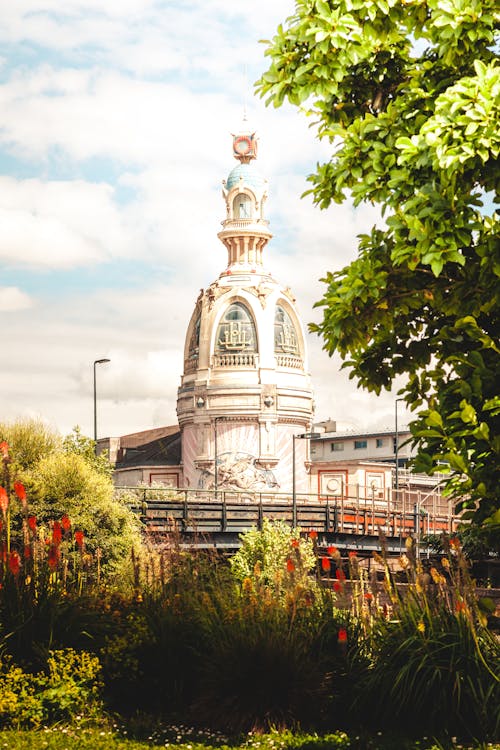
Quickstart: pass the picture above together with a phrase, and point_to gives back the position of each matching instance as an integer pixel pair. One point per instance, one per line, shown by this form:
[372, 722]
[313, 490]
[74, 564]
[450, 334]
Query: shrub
[68, 688]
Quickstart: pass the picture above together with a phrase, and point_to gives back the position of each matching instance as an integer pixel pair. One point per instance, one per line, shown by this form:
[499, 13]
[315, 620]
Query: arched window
[194, 347]
[286, 340]
[242, 206]
[236, 331]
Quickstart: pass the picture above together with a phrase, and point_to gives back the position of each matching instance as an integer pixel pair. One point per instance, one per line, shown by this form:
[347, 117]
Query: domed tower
[245, 390]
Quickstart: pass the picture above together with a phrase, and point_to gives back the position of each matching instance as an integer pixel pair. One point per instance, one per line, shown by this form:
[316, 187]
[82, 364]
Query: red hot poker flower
[53, 556]
[313, 534]
[332, 550]
[4, 500]
[295, 543]
[79, 538]
[56, 533]
[4, 449]
[14, 563]
[27, 551]
[325, 563]
[20, 491]
[339, 574]
[337, 586]
[353, 553]
[32, 523]
[290, 566]
[65, 523]
[342, 636]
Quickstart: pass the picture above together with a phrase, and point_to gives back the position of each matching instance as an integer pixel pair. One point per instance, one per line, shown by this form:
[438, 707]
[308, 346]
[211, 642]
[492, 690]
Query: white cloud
[12, 299]
[60, 224]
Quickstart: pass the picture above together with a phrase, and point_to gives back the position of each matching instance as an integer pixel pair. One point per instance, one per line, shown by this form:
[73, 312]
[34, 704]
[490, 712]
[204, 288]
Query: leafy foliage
[264, 554]
[408, 93]
[68, 688]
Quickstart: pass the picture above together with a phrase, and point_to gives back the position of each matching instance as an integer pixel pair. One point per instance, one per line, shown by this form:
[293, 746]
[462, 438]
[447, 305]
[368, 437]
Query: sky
[115, 135]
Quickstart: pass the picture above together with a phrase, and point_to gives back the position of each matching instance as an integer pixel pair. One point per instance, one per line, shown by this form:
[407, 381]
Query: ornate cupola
[245, 231]
[245, 389]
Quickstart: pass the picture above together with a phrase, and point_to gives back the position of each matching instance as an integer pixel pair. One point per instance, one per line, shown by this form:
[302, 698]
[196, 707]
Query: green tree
[29, 441]
[66, 483]
[81, 445]
[408, 94]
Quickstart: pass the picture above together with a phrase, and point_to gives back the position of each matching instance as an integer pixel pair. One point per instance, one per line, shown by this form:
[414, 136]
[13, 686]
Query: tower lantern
[245, 390]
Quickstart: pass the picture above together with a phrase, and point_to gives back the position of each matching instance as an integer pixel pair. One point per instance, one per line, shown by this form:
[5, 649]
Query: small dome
[250, 176]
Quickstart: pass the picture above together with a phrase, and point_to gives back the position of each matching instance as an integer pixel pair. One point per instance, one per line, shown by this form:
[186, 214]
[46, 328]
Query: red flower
[332, 550]
[290, 566]
[14, 563]
[339, 574]
[337, 586]
[20, 491]
[27, 551]
[342, 636]
[368, 596]
[455, 542]
[79, 538]
[65, 523]
[4, 449]
[32, 523]
[53, 556]
[56, 533]
[325, 563]
[313, 534]
[353, 553]
[295, 543]
[4, 500]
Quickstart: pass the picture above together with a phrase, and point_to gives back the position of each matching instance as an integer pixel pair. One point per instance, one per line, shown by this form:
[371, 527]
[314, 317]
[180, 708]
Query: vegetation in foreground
[258, 643]
[185, 738]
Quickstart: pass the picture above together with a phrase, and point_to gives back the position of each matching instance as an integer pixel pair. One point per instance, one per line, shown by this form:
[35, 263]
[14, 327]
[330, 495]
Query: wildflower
[342, 635]
[14, 563]
[353, 553]
[404, 562]
[4, 449]
[65, 523]
[333, 551]
[445, 563]
[313, 534]
[4, 500]
[455, 542]
[409, 542]
[56, 532]
[53, 556]
[460, 606]
[421, 626]
[20, 491]
[325, 563]
[290, 566]
[27, 551]
[295, 543]
[337, 587]
[339, 574]
[247, 585]
[368, 596]
[32, 523]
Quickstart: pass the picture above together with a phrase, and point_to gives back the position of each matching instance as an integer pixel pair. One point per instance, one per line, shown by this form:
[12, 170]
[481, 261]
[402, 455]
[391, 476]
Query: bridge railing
[229, 510]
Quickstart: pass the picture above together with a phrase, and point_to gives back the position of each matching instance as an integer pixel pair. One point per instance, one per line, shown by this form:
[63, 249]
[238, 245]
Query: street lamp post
[216, 471]
[302, 436]
[396, 443]
[96, 362]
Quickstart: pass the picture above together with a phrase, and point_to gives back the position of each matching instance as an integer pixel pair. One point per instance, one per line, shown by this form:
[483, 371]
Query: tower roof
[250, 175]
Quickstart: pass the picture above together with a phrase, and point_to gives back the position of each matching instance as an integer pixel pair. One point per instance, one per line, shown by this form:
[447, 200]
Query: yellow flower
[421, 626]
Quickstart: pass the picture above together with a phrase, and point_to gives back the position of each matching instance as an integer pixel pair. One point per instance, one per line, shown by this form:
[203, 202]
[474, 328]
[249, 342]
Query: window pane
[236, 331]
